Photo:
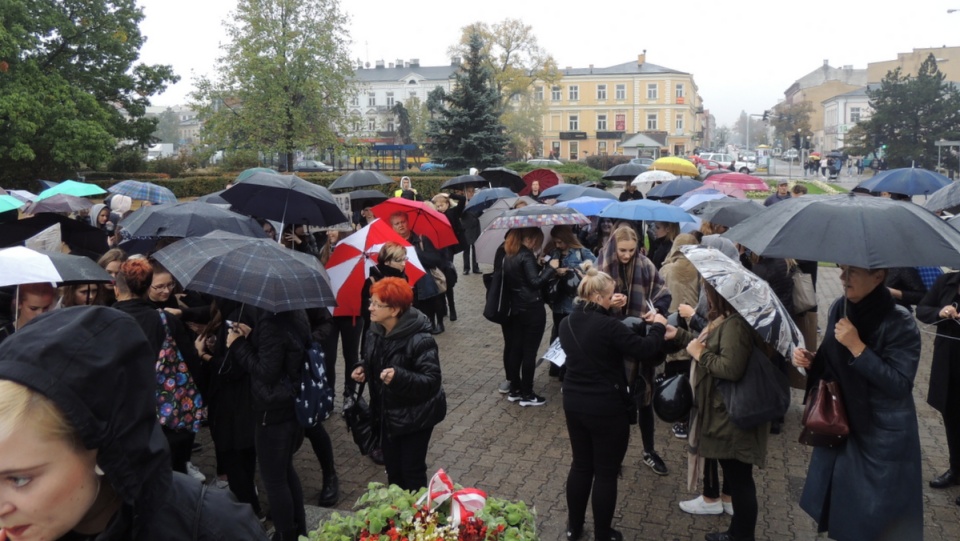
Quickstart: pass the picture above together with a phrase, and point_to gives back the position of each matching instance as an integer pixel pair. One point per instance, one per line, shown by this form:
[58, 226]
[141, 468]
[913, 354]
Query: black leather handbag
[361, 424]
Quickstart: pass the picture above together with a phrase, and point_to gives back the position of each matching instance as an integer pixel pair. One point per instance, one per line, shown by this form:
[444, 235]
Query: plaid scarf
[638, 280]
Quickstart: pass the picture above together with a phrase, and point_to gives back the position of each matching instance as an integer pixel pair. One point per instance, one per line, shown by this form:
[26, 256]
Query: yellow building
[593, 110]
[948, 61]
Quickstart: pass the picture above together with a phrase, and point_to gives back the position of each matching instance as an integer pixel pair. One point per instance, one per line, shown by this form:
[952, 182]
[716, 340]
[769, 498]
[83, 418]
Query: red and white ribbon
[464, 502]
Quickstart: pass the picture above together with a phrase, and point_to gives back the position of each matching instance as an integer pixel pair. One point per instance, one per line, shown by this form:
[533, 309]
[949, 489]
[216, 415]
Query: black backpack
[314, 397]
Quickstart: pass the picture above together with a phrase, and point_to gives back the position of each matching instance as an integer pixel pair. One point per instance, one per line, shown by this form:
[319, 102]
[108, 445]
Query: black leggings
[951, 419]
[711, 480]
[738, 477]
[405, 458]
[599, 444]
[468, 252]
[646, 425]
[181, 445]
[522, 335]
[276, 445]
[346, 329]
[322, 447]
[240, 466]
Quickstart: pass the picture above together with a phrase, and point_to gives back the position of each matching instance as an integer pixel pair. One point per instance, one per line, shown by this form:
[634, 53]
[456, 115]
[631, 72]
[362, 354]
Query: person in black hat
[78, 425]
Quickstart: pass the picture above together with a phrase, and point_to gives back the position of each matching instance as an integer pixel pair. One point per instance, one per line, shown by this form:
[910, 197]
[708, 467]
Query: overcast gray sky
[743, 54]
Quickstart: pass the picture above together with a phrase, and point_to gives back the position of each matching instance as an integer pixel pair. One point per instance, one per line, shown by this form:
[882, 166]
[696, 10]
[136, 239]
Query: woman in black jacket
[451, 205]
[595, 398]
[426, 294]
[271, 351]
[403, 365]
[77, 396]
[523, 278]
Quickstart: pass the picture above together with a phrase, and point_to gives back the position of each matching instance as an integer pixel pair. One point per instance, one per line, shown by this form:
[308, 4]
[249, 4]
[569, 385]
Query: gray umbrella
[191, 219]
[58, 203]
[363, 178]
[624, 171]
[946, 198]
[258, 272]
[866, 232]
[726, 211]
[749, 294]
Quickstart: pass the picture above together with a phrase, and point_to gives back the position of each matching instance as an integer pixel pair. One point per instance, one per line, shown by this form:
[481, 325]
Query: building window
[355, 101]
[390, 126]
[602, 148]
[679, 124]
[601, 92]
[555, 93]
[651, 121]
[538, 93]
[601, 122]
[555, 149]
[574, 123]
[574, 150]
[389, 99]
[621, 92]
[651, 91]
[679, 90]
[413, 93]
[573, 93]
[854, 115]
[371, 99]
[371, 124]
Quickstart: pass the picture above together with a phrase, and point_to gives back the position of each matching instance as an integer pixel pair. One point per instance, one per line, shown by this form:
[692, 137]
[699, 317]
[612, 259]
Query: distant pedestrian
[849, 167]
[859, 166]
[783, 193]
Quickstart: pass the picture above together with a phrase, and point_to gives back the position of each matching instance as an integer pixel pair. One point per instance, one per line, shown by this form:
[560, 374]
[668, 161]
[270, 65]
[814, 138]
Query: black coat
[414, 400]
[910, 284]
[72, 356]
[272, 354]
[946, 346]
[523, 280]
[776, 273]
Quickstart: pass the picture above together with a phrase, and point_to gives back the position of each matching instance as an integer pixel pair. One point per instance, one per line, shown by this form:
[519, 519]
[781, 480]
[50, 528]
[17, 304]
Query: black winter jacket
[776, 272]
[272, 355]
[523, 280]
[414, 400]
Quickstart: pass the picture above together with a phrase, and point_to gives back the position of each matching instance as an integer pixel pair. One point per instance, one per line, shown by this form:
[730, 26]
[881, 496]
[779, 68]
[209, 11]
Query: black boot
[453, 311]
[330, 494]
[438, 326]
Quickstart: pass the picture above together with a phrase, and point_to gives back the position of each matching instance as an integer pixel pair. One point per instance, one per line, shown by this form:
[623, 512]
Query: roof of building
[385, 75]
[627, 68]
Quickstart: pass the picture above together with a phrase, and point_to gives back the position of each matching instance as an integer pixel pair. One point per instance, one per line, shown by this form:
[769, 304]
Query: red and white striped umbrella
[351, 260]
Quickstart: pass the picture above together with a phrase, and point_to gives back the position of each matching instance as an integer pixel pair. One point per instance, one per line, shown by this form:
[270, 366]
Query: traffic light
[766, 115]
[796, 141]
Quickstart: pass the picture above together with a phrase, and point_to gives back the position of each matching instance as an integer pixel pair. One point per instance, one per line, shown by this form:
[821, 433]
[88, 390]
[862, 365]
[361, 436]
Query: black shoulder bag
[630, 404]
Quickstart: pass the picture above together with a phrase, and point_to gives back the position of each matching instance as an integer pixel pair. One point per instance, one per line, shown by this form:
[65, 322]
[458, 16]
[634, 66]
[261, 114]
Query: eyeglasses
[376, 304]
[403, 259]
[163, 287]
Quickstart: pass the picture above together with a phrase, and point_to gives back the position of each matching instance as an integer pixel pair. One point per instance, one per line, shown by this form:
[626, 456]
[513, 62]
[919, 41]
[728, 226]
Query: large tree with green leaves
[70, 85]
[168, 127]
[790, 119]
[468, 131]
[518, 64]
[283, 81]
[910, 114]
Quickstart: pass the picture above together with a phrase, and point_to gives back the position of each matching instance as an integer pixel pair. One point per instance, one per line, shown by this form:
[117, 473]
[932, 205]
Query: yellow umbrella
[675, 165]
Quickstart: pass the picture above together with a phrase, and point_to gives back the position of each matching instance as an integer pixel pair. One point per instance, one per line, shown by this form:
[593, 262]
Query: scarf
[638, 280]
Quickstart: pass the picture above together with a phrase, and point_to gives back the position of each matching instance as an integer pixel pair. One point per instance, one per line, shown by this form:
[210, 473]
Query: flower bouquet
[440, 512]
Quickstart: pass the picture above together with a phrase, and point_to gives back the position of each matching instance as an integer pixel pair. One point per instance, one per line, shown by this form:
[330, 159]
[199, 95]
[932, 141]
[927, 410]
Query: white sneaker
[698, 506]
[192, 471]
[728, 508]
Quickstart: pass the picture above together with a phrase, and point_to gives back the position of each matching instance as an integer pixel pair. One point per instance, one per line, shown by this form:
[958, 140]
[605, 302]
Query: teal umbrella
[74, 188]
[244, 175]
[9, 202]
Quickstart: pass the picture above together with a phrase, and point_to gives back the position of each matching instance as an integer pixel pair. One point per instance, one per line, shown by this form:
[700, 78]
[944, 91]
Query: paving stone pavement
[524, 453]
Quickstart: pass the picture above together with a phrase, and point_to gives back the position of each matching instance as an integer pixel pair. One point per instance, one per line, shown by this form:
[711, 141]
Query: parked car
[544, 162]
[642, 161]
[726, 159]
[790, 154]
[311, 166]
[430, 166]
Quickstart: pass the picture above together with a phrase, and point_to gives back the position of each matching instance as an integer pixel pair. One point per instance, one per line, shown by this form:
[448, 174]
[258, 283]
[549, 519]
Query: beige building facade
[822, 84]
[948, 61]
[593, 110]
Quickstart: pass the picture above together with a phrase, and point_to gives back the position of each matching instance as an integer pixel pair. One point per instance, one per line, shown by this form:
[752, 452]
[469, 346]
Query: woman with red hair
[403, 364]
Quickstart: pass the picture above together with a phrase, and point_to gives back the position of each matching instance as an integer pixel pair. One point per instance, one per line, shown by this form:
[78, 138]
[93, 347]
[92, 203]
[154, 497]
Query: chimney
[414, 62]
[591, 68]
[390, 65]
[641, 58]
[826, 63]
[399, 62]
[379, 64]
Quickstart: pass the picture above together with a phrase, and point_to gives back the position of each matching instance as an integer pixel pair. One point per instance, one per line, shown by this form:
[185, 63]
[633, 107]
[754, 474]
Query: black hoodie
[72, 356]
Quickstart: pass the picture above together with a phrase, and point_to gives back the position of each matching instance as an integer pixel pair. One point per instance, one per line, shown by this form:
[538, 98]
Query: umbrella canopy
[58, 203]
[82, 237]
[214, 198]
[713, 172]
[726, 189]
[247, 173]
[582, 191]
[677, 166]
[906, 181]
[866, 232]
[23, 195]
[491, 239]
[741, 181]
[361, 199]
[465, 181]
[653, 176]
[588, 206]
[547, 178]
[750, 295]
[287, 199]
[645, 209]
[9, 202]
[538, 216]
[351, 260]
[483, 199]
[624, 171]
[363, 178]
[554, 192]
[501, 177]
[143, 191]
[946, 199]
[20, 265]
[726, 211]
[258, 272]
[72, 187]
[46, 184]
[191, 219]
[422, 219]
[695, 197]
[502, 205]
[674, 189]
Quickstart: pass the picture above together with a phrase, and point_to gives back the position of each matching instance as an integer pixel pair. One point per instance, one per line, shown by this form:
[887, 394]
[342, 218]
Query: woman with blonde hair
[663, 235]
[110, 261]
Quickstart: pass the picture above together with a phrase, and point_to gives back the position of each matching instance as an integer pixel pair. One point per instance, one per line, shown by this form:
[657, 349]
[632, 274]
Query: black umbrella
[465, 181]
[624, 171]
[58, 203]
[83, 238]
[215, 198]
[866, 232]
[360, 199]
[581, 191]
[192, 219]
[501, 177]
[258, 272]
[674, 188]
[483, 199]
[726, 211]
[360, 179]
[595, 184]
[287, 199]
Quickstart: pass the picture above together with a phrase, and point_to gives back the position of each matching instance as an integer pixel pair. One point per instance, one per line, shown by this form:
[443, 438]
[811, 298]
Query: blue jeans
[276, 445]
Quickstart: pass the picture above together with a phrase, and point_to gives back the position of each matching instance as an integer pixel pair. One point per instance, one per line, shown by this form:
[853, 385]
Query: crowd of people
[624, 301]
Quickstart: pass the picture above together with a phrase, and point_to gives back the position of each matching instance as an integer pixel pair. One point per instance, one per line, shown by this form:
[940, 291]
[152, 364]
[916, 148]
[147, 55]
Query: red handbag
[825, 421]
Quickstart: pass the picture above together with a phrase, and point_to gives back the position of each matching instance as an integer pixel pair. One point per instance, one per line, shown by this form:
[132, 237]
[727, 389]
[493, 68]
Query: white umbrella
[653, 176]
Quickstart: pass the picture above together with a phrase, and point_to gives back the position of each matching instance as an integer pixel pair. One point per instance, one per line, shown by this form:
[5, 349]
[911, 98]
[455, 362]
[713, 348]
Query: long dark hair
[717, 305]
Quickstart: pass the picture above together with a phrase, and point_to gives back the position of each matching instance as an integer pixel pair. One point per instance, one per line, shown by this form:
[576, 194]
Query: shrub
[127, 159]
[240, 160]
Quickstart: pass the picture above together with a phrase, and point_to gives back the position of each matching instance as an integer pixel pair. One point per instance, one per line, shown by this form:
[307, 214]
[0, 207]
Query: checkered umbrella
[539, 216]
[143, 191]
[258, 272]
[189, 219]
